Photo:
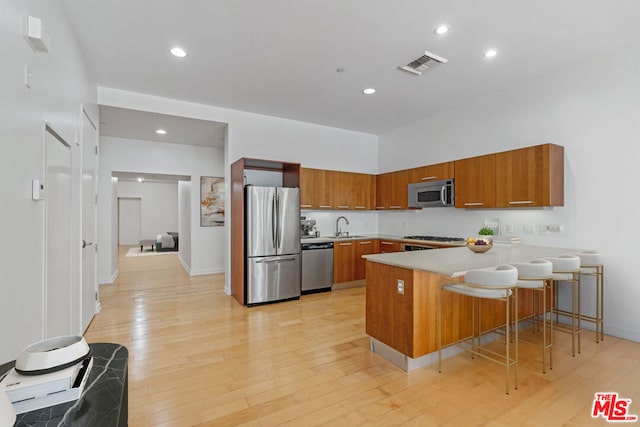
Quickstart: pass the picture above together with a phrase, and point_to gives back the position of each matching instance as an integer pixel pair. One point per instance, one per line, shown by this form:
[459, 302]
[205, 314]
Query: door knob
[85, 244]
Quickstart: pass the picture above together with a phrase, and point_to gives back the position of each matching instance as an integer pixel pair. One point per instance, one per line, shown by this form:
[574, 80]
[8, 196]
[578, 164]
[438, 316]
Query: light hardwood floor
[196, 357]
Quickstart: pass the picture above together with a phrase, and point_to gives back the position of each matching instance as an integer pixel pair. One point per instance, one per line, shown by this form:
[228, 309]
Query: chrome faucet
[338, 231]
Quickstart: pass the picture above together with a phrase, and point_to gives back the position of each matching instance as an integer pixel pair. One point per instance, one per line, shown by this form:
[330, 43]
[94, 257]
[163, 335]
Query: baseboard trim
[111, 280]
[206, 272]
[346, 285]
[184, 265]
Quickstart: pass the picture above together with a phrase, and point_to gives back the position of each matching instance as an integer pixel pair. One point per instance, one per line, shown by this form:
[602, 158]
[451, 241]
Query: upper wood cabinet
[326, 189]
[475, 182]
[532, 176]
[363, 195]
[391, 190]
[307, 188]
[432, 172]
[343, 190]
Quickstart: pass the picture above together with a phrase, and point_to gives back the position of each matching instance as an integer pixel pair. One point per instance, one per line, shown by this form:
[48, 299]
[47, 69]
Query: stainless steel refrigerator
[272, 217]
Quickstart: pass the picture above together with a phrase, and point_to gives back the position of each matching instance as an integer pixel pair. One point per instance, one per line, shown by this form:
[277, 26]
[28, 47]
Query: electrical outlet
[529, 229]
[400, 286]
[556, 228]
[544, 229]
[508, 228]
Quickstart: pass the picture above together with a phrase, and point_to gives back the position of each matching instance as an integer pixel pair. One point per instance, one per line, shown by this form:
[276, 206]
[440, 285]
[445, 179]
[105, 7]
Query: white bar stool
[566, 269]
[592, 264]
[536, 276]
[498, 284]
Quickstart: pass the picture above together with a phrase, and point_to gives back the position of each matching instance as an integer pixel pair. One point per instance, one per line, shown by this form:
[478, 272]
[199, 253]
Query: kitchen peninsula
[402, 296]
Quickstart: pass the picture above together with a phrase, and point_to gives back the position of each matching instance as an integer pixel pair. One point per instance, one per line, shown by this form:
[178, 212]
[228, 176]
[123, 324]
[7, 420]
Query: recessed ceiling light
[161, 131]
[140, 179]
[369, 91]
[441, 30]
[179, 52]
[490, 53]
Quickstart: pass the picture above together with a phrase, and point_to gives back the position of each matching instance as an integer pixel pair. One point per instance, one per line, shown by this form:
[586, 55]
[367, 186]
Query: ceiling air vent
[423, 63]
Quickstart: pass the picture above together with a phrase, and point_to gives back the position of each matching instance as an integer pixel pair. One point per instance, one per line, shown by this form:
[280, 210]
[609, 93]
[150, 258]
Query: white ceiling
[133, 124]
[279, 57]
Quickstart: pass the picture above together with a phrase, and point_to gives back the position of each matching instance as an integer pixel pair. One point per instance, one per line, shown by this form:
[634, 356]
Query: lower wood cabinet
[348, 263]
[388, 246]
[344, 266]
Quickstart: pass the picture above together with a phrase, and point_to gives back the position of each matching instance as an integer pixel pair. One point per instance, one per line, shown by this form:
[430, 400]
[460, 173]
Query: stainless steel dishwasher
[317, 267]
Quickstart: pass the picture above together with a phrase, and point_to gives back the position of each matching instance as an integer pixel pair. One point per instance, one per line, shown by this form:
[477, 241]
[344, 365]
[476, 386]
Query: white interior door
[89, 292]
[58, 236]
[129, 220]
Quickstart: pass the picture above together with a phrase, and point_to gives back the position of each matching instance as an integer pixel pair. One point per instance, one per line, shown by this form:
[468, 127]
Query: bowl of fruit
[480, 244]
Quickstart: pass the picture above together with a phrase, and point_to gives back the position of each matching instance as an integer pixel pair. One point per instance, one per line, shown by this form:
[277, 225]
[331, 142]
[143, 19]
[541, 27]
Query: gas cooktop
[436, 238]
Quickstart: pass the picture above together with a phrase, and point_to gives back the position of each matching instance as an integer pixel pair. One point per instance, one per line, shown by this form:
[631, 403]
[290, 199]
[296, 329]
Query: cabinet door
[307, 190]
[388, 246]
[363, 247]
[364, 191]
[432, 172]
[343, 262]
[531, 176]
[342, 189]
[391, 190]
[475, 182]
[323, 189]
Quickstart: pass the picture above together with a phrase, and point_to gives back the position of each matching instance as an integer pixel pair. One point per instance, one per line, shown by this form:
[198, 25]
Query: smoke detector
[423, 63]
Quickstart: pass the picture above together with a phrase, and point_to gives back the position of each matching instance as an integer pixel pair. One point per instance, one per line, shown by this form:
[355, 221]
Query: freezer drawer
[273, 278]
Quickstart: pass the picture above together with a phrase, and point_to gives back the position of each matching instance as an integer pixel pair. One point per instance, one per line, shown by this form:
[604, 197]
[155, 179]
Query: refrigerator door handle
[276, 259]
[277, 216]
[273, 222]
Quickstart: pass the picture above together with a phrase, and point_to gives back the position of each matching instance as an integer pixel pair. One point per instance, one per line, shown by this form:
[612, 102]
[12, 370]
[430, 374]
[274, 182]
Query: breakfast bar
[402, 296]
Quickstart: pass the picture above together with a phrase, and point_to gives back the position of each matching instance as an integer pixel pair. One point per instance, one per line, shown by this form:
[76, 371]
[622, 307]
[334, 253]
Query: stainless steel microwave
[432, 194]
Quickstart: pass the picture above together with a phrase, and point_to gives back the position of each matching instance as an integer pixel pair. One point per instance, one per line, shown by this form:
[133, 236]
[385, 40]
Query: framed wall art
[211, 201]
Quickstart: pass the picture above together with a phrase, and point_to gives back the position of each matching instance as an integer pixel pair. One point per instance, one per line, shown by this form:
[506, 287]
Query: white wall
[591, 110]
[59, 87]
[263, 137]
[184, 223]
[159, 210]
[125, 155]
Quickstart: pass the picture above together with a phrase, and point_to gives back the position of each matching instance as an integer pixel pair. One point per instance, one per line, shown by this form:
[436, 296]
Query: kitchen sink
[347, 237]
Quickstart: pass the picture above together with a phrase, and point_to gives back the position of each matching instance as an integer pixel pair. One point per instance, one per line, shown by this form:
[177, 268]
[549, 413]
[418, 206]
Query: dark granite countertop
[104, 401]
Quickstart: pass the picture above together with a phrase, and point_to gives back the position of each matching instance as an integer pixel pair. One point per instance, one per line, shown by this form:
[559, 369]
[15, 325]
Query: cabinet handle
[379, 207]
[365, 243]
[521, 202]
[361, 207]
[427, 178]
[324, 207]
[345, 244]
[305, 206]
[386, 243]
[343, 207]
[395, 207]
[474, 204]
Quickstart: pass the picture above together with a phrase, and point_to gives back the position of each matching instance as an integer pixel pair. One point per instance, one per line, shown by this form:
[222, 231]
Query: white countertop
[377, 236]
[454, 262]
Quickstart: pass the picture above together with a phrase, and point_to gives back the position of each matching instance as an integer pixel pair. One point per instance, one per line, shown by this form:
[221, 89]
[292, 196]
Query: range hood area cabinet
[327, 189]
[290, 178]
[475, 182]
[392, 190]
[526, 177]
[438, 172]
